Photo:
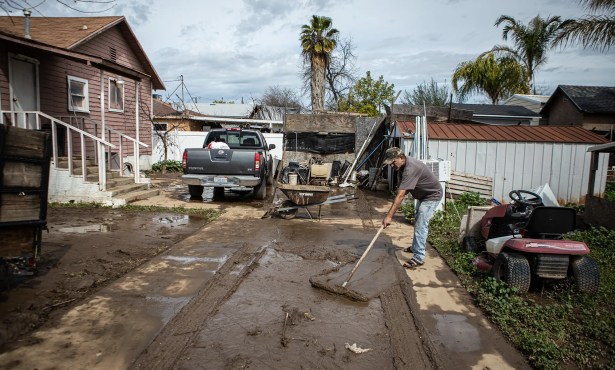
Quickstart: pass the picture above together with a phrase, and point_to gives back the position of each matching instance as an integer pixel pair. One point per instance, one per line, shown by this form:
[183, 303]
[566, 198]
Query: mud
[156, 291]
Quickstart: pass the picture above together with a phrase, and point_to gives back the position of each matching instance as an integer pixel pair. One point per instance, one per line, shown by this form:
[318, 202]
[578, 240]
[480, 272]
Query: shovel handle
[363, 256]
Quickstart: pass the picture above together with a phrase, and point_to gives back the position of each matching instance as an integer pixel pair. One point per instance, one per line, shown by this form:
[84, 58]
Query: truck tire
[586, 274]
[196, 191]
[514, 270]
[260, 190]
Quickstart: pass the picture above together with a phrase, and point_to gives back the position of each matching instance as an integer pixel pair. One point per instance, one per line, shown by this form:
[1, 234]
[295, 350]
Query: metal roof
[497, 110]
[547, 134]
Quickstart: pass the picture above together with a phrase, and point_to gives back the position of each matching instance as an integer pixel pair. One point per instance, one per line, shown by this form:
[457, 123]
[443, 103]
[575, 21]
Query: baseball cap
[391, 154]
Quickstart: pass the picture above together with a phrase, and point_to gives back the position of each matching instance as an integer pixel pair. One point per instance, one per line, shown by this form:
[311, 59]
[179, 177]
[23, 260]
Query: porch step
[63, 162]
[123, 189]
[133, 196]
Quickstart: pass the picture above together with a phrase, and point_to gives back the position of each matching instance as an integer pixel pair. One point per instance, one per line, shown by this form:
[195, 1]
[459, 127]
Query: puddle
[98, 228]
[456, 333]
[186, 259]
[175, 219]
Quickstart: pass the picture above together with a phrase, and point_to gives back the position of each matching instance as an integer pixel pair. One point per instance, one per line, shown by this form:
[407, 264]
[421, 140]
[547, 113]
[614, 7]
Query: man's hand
[387, 221]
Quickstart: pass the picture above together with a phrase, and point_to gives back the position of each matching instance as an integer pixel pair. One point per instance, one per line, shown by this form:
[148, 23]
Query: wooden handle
[363, 256]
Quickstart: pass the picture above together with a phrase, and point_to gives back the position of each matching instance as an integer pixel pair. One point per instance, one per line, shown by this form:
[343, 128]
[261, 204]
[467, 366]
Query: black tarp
[319, 143]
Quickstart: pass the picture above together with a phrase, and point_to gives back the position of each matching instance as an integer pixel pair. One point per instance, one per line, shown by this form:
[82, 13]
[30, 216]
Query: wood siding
[101, 45]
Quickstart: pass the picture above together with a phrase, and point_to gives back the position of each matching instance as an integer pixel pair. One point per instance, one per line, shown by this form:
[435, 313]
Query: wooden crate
[17, 241]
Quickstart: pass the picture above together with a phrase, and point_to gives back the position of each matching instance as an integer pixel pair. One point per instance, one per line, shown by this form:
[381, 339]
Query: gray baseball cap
[391, 154]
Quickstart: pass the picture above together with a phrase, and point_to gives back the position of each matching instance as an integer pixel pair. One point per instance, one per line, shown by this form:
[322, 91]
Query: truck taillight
[257, 161]
[184, 159]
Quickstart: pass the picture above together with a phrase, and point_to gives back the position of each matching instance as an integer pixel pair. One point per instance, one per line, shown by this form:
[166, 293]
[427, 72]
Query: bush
[172, 166]
[609, 191]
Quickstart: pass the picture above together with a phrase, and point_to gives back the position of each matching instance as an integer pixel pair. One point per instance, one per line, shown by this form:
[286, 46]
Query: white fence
[180, 140]
[524, 165]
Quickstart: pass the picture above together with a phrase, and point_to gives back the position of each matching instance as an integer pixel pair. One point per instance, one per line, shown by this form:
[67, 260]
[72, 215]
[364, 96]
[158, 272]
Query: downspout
[102, 162]
[137, 169]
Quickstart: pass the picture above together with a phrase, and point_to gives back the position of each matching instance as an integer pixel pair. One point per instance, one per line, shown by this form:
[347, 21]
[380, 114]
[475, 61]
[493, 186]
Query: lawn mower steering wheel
[535, 199]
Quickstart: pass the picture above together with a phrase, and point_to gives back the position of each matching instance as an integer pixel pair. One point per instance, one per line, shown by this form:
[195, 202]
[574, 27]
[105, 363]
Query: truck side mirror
[271, 146]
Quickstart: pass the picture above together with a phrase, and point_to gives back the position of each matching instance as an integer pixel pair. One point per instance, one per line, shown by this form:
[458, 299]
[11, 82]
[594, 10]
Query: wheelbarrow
[304, 196]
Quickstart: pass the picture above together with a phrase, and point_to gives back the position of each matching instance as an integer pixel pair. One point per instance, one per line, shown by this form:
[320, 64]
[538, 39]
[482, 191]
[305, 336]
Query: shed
[516, 157]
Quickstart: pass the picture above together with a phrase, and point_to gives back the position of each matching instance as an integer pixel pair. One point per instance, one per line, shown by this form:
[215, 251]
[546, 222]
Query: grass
[208, 214]
[556, 327]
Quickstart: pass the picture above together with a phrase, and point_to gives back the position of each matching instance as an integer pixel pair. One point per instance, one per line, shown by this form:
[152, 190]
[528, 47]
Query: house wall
[101, 46]
[563, 112]
[4, 77]
[524, 165]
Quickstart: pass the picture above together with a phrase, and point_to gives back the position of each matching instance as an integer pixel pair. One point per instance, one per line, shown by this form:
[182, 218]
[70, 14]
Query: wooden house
[88, 81]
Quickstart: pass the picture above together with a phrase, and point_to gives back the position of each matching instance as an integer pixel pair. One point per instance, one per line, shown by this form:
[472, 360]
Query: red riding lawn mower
[522, 242]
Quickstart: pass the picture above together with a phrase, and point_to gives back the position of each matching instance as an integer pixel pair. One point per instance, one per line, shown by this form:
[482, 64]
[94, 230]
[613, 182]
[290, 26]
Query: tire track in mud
[167, 347]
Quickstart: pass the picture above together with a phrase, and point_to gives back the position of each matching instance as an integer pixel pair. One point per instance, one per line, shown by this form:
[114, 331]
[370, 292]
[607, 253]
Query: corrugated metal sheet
[545, 134]
[521, 164]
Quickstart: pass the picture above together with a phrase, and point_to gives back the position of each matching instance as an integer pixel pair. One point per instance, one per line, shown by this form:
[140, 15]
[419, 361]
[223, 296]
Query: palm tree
[318, 40]
[592, 31]
[497, 78]
[531, 42]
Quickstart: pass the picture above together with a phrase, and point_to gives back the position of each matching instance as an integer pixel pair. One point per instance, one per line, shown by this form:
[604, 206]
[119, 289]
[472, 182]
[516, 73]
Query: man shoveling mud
[423, 185]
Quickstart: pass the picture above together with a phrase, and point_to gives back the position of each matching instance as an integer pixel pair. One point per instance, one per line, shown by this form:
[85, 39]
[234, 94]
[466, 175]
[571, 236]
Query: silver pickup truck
[232, 158]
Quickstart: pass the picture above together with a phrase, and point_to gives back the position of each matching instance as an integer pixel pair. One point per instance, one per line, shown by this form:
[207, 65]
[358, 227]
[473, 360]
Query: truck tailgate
[221, 162]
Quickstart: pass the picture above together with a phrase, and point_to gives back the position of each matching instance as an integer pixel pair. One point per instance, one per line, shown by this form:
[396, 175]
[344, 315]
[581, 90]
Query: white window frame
[86, 98]
[121, 87]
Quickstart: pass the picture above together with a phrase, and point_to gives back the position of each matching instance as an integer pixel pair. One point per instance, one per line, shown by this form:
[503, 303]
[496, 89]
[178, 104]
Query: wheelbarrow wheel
[289, 214]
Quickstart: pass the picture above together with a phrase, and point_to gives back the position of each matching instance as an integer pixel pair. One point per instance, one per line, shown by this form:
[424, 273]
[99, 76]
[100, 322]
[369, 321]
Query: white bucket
[292, 179]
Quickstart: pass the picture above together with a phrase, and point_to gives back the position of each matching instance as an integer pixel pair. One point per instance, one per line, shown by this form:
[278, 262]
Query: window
[116, 95]
[78, 100]
[160, 126]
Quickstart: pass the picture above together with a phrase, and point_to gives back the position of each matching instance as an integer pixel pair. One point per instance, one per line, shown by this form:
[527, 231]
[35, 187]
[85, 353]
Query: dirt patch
[84, 250]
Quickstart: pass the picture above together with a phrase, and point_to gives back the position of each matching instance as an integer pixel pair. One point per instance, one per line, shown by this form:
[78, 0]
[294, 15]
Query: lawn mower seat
[550, 222]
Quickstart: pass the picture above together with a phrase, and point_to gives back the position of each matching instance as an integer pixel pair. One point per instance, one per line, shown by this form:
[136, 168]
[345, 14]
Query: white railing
[38, 120]
[113, 136]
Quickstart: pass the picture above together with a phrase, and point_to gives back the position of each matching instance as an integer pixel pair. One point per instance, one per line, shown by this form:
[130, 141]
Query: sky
[235, 49]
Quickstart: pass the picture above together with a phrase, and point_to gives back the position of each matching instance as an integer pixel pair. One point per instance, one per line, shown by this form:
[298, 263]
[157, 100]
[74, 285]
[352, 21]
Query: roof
[587, 99]
[227, 110]
[163, 109]
[547, 134]
[70, 32]
[497, 110]
[540, 99]
[603, 148]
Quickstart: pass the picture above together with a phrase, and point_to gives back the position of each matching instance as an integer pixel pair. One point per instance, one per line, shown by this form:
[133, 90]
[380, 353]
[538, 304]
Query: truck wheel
[196, 191]
[260, 191]
[514, 270]
[470, 244]
[288, 214]
[218, 193]
[586, 274]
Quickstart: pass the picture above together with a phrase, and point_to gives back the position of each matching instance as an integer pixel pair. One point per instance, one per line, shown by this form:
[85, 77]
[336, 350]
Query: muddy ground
[147, 290]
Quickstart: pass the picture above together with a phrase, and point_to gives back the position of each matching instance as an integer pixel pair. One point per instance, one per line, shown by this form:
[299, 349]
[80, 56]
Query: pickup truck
[247, 163]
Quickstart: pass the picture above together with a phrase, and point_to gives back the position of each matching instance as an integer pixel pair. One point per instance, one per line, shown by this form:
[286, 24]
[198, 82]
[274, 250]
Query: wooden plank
[24, 143]
[330, 123]
[16, 207]
[461, 183]
[21, 174]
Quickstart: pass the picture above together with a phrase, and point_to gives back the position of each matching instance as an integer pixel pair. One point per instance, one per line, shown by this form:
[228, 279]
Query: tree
[593, 30]
[318, 40]
[498, 78]
[531, 42]
[368, 96]
[277, 96]
[427, 93]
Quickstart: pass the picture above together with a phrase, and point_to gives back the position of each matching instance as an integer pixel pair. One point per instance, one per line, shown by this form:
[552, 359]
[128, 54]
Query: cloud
[136, 11]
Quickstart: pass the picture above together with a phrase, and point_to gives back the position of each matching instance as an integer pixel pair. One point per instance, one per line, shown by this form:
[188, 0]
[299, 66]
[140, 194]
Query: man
[423, 185]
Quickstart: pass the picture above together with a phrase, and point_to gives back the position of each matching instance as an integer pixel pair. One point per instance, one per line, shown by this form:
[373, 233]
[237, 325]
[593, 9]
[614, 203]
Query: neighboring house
[166, 117]
[89, 82]
[590, 107]
[515, 157]
[506, 115]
